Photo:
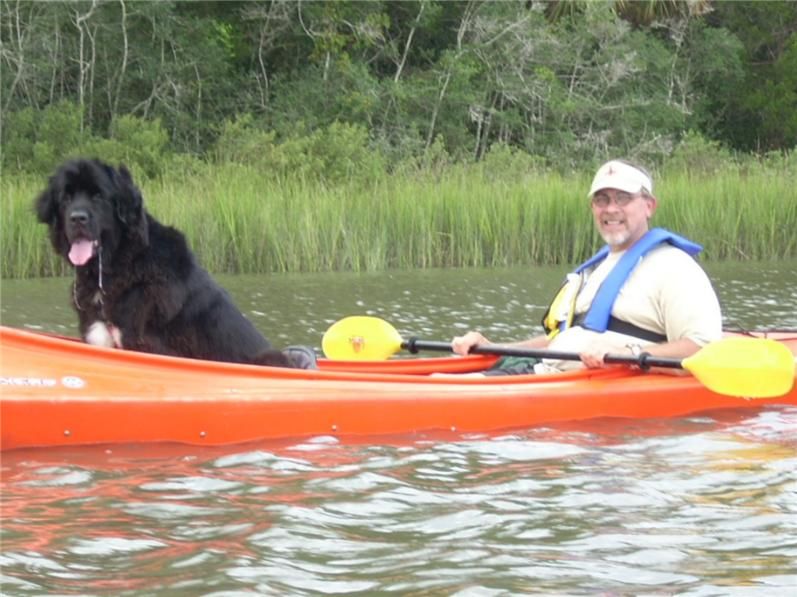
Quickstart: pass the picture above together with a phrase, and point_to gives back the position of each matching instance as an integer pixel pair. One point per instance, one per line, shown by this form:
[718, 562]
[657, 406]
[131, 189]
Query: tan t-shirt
[667, 292]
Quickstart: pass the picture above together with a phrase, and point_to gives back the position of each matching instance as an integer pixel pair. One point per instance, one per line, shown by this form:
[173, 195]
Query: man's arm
[462, 344]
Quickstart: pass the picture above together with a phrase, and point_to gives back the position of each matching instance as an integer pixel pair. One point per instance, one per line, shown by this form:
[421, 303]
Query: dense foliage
[348, 88]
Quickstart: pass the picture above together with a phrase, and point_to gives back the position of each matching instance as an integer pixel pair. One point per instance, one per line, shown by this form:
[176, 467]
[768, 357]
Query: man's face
[621, 218]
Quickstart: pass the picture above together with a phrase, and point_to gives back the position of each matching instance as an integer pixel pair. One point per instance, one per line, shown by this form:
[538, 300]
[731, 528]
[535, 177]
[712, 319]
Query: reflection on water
[699, 506]
[694, 506]
[506, 303]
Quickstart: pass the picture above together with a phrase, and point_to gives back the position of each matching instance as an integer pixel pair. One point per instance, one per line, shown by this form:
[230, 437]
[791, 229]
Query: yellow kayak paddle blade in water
[744, 367]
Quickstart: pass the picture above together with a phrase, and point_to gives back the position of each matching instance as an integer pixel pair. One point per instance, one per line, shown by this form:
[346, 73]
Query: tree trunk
[463, 25]
[441, 95]
[409, 43]
[261, 61]
[123, 67]
[83, 66]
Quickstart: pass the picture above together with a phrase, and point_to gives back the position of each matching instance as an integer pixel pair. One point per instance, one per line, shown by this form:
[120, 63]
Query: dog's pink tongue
[81, 252]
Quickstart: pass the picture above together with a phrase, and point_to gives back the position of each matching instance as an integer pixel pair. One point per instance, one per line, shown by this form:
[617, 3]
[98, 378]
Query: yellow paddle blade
[361, 338]
[744, 367]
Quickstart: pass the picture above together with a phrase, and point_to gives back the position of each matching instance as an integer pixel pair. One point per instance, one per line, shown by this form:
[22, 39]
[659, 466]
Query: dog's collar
[99, 284]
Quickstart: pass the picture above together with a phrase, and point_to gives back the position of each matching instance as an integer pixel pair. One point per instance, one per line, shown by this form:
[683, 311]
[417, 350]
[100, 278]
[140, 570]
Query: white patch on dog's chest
[97, 300]
[103, 334]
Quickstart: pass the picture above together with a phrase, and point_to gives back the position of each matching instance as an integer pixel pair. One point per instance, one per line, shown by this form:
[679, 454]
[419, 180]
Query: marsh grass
[738, 215]
[25, 250]
[239, 220]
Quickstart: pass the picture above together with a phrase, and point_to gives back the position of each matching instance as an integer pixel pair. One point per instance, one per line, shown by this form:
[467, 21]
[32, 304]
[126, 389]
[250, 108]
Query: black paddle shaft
[643, 360]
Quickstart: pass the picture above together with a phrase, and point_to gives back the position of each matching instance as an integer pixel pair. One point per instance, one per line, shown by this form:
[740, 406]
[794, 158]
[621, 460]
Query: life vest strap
[601, 307]
[629, 329]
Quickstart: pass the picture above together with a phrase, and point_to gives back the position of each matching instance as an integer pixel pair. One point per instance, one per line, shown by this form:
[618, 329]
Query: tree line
[568, 82]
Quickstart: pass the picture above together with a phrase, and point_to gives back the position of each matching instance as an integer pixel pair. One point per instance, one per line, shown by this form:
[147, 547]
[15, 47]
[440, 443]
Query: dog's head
[89, 204]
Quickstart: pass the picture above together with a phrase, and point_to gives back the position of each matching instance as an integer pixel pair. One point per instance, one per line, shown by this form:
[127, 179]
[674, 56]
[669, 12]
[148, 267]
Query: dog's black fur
[137, 284]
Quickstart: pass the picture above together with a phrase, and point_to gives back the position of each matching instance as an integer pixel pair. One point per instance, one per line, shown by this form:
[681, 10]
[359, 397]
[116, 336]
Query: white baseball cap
[621, 176]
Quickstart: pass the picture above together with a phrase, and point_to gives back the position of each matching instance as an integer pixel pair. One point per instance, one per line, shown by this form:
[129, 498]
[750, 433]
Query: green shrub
[699, 156]
[138, 143]
[344, 153]
[37, 141]
[335, 153]
[143, 142]
[19, 135]
[503, 161]
[241, 141]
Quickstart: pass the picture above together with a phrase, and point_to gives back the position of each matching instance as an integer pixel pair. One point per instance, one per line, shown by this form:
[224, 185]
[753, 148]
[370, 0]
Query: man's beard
[614, 239]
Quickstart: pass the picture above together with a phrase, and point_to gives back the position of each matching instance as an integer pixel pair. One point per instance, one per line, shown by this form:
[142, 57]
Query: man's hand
[461, 345]
[593, 356]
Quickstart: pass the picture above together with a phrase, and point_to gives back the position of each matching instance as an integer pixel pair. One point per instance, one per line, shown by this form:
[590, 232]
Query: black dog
[137, 284]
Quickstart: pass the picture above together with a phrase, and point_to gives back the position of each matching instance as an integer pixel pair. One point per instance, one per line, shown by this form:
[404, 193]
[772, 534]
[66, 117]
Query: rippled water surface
[695, 506]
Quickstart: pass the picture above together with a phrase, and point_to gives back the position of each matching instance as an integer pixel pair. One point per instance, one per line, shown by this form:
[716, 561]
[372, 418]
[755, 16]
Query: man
[643, 291]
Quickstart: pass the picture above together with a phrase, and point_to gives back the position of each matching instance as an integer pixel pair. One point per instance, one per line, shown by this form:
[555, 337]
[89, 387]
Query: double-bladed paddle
[739, 366]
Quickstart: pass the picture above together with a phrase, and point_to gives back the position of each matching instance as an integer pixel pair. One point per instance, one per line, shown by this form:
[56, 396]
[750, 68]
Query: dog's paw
[301, 357]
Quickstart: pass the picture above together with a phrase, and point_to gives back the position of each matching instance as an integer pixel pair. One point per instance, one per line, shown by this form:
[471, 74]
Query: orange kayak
[57, 391]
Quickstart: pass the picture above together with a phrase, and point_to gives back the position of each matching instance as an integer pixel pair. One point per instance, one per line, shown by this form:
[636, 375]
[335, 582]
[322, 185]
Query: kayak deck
[58, 391]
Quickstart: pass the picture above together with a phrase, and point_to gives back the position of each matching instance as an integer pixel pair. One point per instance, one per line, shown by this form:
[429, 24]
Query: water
[694, 506]
[697, 506]
[506, 303]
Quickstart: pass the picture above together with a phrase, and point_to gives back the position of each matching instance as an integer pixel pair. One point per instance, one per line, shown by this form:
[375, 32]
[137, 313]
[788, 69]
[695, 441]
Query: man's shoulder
[667, 253]
[668, 263]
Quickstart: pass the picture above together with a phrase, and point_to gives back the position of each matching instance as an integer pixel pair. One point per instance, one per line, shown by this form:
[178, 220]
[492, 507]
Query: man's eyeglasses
[620, 198]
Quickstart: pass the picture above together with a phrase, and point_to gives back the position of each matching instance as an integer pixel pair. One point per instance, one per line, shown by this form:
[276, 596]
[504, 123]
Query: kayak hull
[57, 391]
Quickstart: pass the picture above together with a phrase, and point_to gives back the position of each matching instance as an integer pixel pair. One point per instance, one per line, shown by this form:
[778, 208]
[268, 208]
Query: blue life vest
[597, 317]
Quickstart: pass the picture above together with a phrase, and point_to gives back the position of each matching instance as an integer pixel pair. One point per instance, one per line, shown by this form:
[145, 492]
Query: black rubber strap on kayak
[629, 329]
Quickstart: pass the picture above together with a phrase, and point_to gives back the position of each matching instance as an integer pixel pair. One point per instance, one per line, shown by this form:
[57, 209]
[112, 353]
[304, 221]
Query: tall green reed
[737, 215]
[24, 248]
[240, 219]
